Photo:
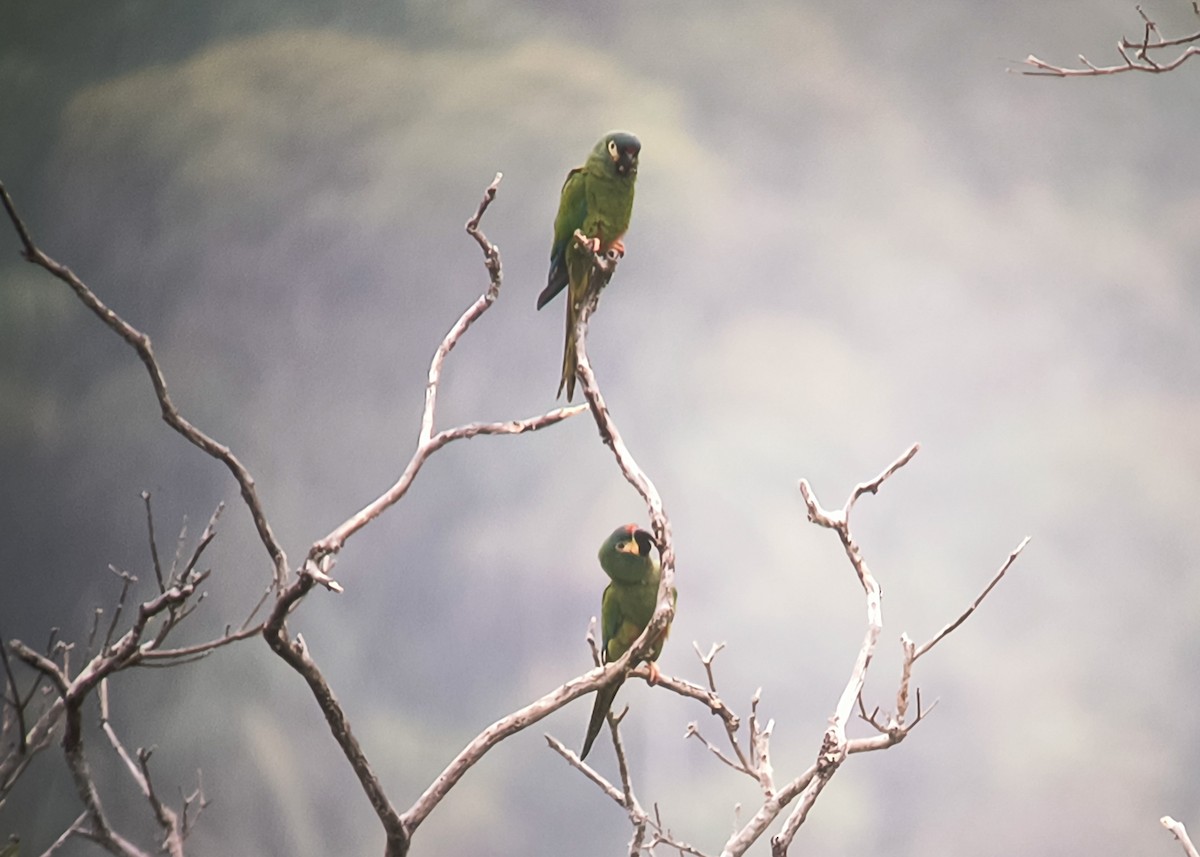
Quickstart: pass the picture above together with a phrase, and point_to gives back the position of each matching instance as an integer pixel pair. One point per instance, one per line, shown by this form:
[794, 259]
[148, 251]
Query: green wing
[610, 621]
[572, 211]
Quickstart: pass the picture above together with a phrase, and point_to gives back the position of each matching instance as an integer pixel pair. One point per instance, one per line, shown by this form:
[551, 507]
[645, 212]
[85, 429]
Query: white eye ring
[612, 149]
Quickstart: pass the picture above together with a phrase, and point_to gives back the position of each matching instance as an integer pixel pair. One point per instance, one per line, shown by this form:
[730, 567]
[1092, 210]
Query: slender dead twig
[1012, 557]
[158, 575]
[1136, 55]
[1180, 833]
[835, 746]
[11, 699]
[755, 760]
[136, 646]
[624, 798]
[139, 771]
[98, 829]
[429, 442]
[140, 342]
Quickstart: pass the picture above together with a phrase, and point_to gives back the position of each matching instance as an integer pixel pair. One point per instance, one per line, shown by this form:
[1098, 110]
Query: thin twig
[206, 537]
[623, 798]
[1180, 833]
[127, 580]
[75, 828]
[835, 746]
[1136, 55]
[140, 342]
[427, 441]
[155, 657]
[15, 703]
[587, 770]
[1012, 557]
[510, 724]
[158, 575]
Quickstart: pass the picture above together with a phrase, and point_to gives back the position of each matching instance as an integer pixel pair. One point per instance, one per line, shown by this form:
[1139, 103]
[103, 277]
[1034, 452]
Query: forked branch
[429, 442]
[1150, 54]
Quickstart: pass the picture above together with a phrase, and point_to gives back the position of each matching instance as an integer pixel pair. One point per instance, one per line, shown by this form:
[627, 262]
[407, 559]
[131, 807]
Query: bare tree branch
[508, 725]
[625, 799]
[427, 441]
[295, 654]
[139, 771]
[1136, 55]
[158, 575]
[835, 747]
[77, 826]
[156, 657]
[137, 643]
[755, 761]
[637, 816]
[38, 738]
[98, 828]
[14, 706]
[1180, 833]
[664, 612]
[140, 342]
[1012, 557]
[584, 768]
[398, 829]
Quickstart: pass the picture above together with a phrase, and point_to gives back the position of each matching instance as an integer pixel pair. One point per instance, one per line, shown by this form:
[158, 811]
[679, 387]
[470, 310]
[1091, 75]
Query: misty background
[853, 230]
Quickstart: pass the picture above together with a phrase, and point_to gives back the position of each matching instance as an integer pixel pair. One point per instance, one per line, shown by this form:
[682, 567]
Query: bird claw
[655, 676]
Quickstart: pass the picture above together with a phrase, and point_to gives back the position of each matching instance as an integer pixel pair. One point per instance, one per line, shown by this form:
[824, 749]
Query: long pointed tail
[604, 701]
[570, 361]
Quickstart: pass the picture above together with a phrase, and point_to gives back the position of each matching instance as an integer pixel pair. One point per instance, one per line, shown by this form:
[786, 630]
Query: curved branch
[140, 342]
[504, 727]
[835, 746]
[664, 612]
[428, 442]
[296, 655]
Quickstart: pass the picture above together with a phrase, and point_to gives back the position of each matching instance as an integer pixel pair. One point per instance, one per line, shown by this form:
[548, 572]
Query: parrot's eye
[612, 150]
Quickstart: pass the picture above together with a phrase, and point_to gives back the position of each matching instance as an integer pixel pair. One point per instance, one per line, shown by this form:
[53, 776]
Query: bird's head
[628, 555]
[622, 149]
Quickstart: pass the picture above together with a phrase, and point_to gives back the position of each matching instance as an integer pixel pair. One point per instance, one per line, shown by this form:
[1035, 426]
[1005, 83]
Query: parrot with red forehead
[629, 558]
[596, 199]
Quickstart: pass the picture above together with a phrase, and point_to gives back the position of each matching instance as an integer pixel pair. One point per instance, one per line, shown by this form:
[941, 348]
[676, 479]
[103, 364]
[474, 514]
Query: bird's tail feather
[604, 701]
[570, 361]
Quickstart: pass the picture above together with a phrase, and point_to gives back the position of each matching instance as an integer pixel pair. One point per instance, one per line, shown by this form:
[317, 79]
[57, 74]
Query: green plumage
[597, 199]
[628, 557]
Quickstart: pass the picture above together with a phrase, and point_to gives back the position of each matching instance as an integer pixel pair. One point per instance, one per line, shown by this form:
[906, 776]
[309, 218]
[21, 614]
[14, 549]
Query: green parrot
[597, 199]
[627, 557]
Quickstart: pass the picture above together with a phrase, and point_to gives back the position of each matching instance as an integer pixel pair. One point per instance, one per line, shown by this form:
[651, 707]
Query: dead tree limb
[1150, 54]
